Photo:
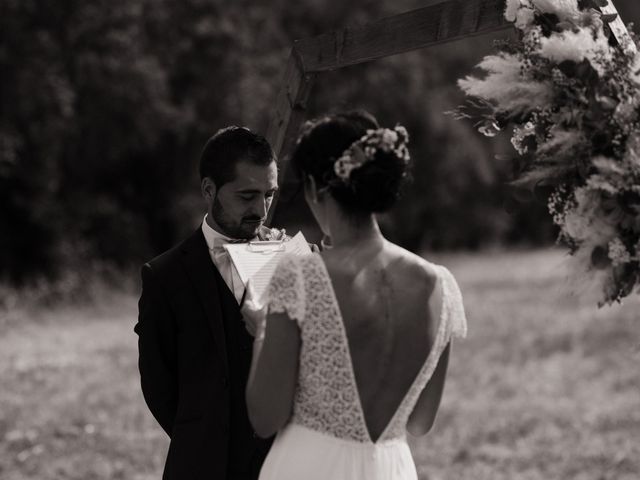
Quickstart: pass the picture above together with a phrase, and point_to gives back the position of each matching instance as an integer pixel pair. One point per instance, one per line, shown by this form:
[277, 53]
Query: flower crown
[364, 150]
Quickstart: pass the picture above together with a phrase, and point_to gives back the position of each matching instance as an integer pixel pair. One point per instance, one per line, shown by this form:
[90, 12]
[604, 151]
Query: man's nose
[260, 207]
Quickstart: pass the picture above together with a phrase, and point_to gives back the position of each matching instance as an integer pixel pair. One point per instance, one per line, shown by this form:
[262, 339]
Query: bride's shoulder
[412, 266]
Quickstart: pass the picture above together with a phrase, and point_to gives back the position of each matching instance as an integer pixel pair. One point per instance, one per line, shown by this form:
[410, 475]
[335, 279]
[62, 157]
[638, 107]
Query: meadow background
[105, 107]
[546, 386]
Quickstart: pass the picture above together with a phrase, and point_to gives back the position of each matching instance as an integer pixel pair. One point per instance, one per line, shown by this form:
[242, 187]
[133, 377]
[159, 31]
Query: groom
[194, 348]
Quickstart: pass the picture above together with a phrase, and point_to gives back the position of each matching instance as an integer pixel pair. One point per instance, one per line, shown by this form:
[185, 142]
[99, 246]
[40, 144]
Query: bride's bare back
[390, 301]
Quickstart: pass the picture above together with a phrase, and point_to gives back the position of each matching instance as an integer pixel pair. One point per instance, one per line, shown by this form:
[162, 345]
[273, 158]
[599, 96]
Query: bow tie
[219, 243]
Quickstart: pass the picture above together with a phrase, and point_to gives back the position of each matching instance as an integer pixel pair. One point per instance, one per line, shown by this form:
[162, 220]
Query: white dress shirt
[222, 260]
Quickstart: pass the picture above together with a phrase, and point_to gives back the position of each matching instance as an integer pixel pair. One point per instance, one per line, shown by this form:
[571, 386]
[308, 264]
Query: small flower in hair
[389, 138]
[351, 159]
[308, 126]
[364, 150]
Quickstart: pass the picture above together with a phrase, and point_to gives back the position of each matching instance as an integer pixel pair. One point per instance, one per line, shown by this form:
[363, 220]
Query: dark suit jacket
[194, 359]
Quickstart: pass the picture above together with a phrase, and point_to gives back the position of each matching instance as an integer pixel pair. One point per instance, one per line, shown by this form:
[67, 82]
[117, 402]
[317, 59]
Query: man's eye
[246, 197]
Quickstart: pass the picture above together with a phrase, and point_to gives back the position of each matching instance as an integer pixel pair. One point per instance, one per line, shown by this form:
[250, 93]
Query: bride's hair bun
[363, 166]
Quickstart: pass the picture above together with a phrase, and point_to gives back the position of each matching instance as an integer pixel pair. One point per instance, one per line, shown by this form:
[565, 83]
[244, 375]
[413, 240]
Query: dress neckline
[350, 367]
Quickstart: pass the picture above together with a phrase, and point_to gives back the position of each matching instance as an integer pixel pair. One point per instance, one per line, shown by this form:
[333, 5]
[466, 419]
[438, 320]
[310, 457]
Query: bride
[355, 346]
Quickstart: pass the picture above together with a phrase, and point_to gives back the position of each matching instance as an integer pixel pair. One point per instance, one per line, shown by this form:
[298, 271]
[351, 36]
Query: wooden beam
[287, 116]
[618, 28]
[439, 21]
[445, 21]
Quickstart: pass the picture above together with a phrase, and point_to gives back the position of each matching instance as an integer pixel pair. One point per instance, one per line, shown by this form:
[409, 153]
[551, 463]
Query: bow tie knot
[219, 243]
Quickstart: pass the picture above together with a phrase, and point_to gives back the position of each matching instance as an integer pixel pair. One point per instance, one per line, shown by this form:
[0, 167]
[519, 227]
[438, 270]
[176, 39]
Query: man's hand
[253, 314]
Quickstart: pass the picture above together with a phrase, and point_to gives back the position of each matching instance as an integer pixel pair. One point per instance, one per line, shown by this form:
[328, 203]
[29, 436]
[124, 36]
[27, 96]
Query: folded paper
[257, 261]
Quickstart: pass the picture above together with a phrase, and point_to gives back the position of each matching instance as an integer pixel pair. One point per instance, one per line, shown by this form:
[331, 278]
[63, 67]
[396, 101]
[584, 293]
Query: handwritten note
[257, 261]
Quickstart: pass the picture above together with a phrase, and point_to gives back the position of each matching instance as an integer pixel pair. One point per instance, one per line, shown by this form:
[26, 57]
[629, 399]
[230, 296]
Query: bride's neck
[348, 232]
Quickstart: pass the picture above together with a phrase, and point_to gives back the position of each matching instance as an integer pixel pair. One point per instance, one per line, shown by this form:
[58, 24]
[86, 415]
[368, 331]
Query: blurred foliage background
[105, 106]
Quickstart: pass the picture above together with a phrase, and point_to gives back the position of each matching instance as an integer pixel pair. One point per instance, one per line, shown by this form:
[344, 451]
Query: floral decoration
[570, 92]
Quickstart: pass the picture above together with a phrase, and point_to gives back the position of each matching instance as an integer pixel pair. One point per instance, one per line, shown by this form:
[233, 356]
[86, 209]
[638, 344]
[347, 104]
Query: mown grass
[70, 404]
[546, 386]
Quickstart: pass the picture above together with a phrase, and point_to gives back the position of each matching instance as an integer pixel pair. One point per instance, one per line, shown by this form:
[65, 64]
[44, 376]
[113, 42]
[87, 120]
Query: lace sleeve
[285, 293]
[455, 316]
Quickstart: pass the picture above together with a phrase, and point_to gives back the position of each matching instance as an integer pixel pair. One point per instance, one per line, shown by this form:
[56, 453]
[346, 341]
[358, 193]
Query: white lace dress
[326, 437]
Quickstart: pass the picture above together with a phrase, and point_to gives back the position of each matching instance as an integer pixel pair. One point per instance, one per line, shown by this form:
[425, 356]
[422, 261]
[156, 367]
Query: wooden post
[287, 117]
[618, 28]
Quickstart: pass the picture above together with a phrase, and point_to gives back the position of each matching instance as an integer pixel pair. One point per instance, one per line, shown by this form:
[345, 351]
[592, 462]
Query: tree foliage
[106, 104]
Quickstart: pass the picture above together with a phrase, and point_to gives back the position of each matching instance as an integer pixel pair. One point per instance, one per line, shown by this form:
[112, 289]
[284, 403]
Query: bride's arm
[424, 413]
[273, 375]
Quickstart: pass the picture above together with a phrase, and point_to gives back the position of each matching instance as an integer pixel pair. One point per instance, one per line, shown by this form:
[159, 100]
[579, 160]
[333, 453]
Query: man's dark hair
[227, 147]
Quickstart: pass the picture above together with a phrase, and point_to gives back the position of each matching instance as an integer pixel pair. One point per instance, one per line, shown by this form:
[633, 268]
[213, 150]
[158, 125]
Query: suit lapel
[206, 281]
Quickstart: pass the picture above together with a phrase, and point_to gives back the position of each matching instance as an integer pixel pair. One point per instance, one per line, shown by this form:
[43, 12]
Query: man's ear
[208, 189]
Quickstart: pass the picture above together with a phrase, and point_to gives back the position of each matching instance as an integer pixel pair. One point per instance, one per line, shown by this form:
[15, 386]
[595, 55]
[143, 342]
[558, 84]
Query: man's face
[239, 208]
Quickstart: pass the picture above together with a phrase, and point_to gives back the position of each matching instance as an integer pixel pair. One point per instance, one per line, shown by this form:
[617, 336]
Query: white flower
[625, 112]
[564, 9]
[519, 134]
[618, 252]
[402, 132]
[364, 149]
[389, 136]
[402, 152]
[586, 199]
[583, 280]
[585, 221]
[635, 69]
[514, 7]
[575, 226]
[354, 157]
[272, 234]
[511, 10]
[342, 167]
[524, 18]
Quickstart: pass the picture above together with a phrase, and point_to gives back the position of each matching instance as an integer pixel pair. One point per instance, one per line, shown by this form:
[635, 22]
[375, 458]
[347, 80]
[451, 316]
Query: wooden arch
[439, 21]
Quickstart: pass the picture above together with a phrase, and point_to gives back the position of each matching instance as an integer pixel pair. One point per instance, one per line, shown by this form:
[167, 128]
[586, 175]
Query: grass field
[545, 386]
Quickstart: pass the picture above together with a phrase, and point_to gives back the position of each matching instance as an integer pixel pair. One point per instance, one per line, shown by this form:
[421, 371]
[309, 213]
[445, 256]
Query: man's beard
[243, 228]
